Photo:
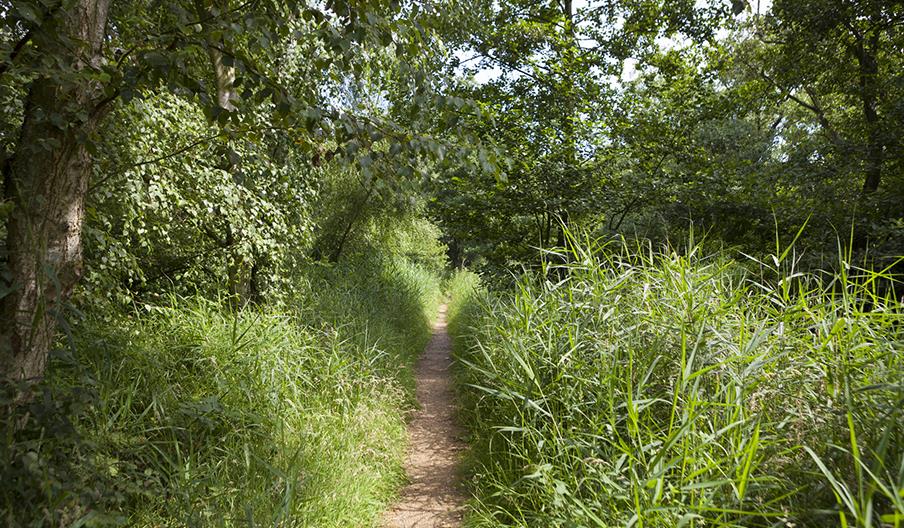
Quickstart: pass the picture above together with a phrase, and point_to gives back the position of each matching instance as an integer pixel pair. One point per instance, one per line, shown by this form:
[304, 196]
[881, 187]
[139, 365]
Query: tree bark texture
[47, 180]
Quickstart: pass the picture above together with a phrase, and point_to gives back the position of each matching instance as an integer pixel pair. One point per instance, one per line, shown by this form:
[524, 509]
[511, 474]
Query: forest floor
[433, 496]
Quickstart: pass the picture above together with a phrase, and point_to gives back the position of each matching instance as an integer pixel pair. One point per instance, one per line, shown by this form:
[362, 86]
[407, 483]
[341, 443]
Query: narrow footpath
[433, 496]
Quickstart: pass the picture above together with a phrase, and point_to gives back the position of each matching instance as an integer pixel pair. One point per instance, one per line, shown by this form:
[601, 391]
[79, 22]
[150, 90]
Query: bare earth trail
[433, 496]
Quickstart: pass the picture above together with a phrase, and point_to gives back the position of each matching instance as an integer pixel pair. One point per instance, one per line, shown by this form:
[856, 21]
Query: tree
[46, 179]
[841, 62]
[544, 105]
[557, 103]
[78, 59]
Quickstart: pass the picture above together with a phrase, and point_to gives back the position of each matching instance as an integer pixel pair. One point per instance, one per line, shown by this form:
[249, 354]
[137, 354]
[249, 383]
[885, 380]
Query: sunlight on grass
[188, 414]
[638, 386]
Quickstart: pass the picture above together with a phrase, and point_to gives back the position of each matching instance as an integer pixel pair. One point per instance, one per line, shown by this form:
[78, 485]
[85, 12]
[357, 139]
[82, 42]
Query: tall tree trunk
[867, 60]
[227, 96]
[46, 180]
[569, 119]
[223, 73]
[225, 78]
[570, 57]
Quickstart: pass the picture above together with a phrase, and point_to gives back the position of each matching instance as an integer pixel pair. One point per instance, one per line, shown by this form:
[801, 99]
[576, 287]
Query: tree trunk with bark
[875, 149]
[46, 180]
[569, 119]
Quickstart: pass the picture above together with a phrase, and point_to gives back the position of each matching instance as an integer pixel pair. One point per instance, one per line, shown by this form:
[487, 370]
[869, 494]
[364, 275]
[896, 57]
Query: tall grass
[650, 387]
[462, 289]
[189, 414]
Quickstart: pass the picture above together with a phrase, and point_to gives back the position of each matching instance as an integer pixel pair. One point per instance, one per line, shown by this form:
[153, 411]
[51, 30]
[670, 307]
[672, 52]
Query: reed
[652, 387]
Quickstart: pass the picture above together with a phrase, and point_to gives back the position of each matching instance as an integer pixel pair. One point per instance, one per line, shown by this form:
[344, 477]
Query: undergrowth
[663, 388]
[190, 414]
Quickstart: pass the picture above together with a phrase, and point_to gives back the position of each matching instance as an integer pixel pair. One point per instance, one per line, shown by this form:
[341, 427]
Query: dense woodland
[671, 233]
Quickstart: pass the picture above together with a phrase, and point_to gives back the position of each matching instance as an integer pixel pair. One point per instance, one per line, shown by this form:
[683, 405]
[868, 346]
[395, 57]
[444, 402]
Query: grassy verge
[638, 387]
[463, 288]
[192, 415]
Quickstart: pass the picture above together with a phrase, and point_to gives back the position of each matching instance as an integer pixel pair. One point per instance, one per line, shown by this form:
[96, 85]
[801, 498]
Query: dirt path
[433, 496]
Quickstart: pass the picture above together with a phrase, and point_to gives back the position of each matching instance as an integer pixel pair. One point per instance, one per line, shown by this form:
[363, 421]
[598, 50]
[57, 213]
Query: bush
[653, 388]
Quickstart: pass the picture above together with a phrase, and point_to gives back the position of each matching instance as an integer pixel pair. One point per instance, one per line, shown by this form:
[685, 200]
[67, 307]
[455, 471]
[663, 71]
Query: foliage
[662, 388]
[177, 201]
[214, 370]
[208, 206]
[361, 216]
[722, 115]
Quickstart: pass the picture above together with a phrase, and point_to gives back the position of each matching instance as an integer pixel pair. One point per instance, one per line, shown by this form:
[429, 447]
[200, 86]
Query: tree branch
[812, 106]
[15, 52]
[177, 152]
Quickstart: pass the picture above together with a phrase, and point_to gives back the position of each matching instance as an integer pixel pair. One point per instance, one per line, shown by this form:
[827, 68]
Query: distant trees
[545, 106]
[842, 62]
[195, 136]
[718, 114]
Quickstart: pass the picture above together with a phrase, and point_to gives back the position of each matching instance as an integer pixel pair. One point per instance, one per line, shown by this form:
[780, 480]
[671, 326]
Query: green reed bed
[644, 387]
